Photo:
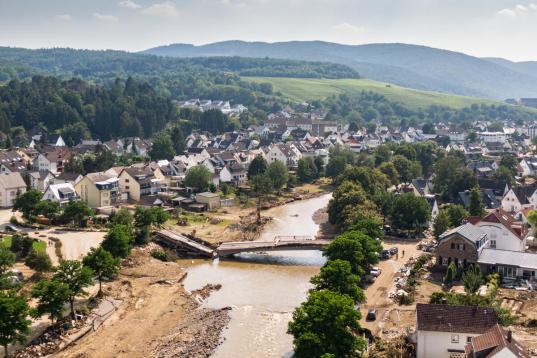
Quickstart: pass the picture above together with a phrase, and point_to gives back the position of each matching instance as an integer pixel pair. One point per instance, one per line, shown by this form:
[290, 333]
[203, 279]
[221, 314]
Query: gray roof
[468, 231]
[12, 181]
[525, 260]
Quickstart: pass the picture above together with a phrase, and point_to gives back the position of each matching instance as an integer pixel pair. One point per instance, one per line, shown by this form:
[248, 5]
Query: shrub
[160, 255]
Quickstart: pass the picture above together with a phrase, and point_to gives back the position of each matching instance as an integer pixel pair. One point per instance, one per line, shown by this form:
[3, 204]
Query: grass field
[37, 245]
[306, 89]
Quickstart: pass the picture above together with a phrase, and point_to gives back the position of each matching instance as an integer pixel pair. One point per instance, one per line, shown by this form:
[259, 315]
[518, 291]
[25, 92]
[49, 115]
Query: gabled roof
[492, 342]
[501, 216]
[457, 319]
[12, 181]
[468, 231]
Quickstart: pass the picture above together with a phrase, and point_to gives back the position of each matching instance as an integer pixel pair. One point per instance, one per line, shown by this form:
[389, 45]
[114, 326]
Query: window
[468, 339]
[127, 187]
[452, 245]
[454, 338]
[126, 180]
[492, 244]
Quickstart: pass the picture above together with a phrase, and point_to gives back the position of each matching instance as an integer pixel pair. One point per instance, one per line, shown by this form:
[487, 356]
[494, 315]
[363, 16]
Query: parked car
[371, 315]
[394, 250]
[375, 271]
[385, 254]
[369, 279]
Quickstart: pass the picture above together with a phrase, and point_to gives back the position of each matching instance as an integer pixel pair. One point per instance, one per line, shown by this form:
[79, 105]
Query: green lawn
[307, 89]
[37, 245]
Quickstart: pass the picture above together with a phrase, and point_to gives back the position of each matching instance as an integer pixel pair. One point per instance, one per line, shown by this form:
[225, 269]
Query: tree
[162, 148]
[472, 279]
[262, 186]
[503, 174]
[38, 261]
[452, 177]
[319, 164]
[355, 247]
[198, 177]
[388, 169]
[532, 219]
[27, 202]
[350, 204]
[307, 171]
[76, 277]
[47, 208]
[14, 322]
[257, 166]
[451, 273]
[371, 180]
[370, 226]
[122, 217]
[52, 296]
[337, 276]
[103, 264]
[383, 154]
[118, 241]
[335, 166]
[476, 206]
[7, 259]
[457, 213]
[406, 168]
[76, 212]
[441, 223]
[278, 174]
[326, 323]
[178, 140]
[410, 212]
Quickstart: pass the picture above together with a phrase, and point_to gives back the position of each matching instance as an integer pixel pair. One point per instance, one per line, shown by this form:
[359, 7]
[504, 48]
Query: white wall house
[503, 231]
[442, 331]
[493, 137]
[62, 193]
[11, 184]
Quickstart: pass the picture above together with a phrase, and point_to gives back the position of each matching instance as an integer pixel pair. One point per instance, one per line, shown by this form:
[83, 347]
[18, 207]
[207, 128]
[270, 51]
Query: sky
[485, 28]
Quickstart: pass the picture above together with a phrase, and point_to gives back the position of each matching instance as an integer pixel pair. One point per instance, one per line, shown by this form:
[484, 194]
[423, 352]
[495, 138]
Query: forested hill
[79, 110]
[411, 66]
[18, 63]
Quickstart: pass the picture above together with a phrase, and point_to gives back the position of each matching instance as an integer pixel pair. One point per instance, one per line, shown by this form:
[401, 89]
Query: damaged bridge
[182, 244]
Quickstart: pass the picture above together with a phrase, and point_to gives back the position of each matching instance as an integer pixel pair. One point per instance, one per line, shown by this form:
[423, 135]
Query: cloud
[105, 17]
[164, 9]
[349, 29]
[517, 10]
[64, 17]
[128, 4]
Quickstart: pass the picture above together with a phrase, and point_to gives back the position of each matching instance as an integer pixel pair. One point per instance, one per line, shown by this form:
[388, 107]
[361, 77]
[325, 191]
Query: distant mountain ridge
[413, 66]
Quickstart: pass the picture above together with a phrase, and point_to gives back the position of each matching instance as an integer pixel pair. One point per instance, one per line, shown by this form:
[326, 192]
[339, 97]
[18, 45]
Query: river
[263, 289]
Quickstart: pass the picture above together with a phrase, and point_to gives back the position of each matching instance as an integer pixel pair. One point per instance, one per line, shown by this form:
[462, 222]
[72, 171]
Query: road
[377, 293]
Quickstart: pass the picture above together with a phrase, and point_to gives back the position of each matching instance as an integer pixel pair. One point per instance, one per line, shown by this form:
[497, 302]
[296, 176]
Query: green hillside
[310, 89]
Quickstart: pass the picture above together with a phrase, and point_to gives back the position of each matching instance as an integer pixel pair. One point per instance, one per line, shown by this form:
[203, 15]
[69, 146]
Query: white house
[495, 343]
[62, 193]
[503, 231]
[11, 184]
[518, 198]
[493, 137]
[442, 331]
[225, 175]
[285, 153]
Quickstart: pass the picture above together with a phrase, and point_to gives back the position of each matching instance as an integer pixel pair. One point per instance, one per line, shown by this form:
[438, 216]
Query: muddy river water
[263, 289]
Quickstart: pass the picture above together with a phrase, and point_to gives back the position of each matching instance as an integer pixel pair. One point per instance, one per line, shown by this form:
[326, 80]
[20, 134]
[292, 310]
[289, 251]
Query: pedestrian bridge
[280, 243]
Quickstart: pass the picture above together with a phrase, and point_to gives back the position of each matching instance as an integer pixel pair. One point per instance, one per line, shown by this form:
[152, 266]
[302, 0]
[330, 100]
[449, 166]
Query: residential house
[52, 161]
[99, 190]
[510, 264]
[503, 231]
[66, 177]
[443, 331]
[62, 193]
[56, 140]
[210, 200]
[238, 173]
[136, 182]
[40, 180]
[518, 198]
[423, 186]
[11, 185]
[495, 343]
[12, 161]
[285, 153]
[487, 196]
[461, 245]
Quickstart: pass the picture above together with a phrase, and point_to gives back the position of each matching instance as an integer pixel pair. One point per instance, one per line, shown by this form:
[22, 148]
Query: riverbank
[239, 222]
[158, 317]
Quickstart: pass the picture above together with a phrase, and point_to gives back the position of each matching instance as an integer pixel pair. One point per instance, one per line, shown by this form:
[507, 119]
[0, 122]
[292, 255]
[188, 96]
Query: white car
[375, 271]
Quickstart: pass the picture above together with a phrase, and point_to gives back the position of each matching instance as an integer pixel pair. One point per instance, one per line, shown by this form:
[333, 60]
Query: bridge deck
[177, 241]
[280, 243]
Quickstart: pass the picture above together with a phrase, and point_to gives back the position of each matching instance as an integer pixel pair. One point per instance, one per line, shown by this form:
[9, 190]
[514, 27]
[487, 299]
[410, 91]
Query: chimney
[509, 336]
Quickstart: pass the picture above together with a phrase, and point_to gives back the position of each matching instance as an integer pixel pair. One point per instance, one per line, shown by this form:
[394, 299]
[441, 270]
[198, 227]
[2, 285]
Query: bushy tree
[257, 166]
[407, 169]
[451, 273]
[457, 213]
[14, 322]
[76, 277]
[27, 202]
[76, 212]
[355, 247]
[476, 206]
[337, 276]
[198, 177]
[278, 174]
[261, 186]
[441, 223]
[122, 217]
[472, 279]
[52, 295]
[307, 171]
[162, 148]
[350, 204]
[410, 212]
[118, 241]
[103, 264]
[38, 261]
[47, 208]
[326, 323]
